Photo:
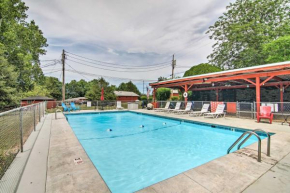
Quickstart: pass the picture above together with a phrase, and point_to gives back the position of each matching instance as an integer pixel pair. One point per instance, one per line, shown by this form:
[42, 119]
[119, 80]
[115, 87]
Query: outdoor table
[285, 116]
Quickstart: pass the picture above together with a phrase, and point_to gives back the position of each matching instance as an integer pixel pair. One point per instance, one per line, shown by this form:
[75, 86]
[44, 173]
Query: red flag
[102, 95]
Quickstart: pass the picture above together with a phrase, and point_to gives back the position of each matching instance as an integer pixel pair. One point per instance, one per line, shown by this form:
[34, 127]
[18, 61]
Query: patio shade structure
[274, 75]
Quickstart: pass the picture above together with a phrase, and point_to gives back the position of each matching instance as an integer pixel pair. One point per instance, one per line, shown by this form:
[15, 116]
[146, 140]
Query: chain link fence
[15, 127]
[53, 106]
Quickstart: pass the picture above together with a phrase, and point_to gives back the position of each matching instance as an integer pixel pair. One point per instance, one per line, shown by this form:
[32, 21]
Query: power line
[145, 70]
[114, 63]
[77, 71]
[97, 75]
[113, 66]
[52, 72]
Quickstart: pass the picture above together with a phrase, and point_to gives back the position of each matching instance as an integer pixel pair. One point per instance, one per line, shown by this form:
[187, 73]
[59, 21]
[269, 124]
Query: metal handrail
[245, 133]
[57, 110]
[268, 141]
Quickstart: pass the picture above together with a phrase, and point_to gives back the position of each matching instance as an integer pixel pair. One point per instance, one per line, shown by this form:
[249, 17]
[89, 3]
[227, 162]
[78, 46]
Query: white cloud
[128, 32]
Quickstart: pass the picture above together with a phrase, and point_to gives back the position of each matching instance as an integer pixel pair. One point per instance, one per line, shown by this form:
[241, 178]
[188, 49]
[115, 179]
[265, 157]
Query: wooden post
[173, 66]
[258, 94]
[63, 75]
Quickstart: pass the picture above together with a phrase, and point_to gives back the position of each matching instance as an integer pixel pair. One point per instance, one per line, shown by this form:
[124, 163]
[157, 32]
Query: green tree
[163, 94]
[8, 94]
[129, 86]
[161, 78]
[202, 68]
[278, 50]
[95, 87]
[54, 86]
[24, 43]
[38, 90]
[76, 88]
[241, 32]
[82, 85]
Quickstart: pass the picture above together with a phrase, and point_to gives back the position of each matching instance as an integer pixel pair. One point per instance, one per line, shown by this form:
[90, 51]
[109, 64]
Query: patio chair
[163, 109]
[119, 105]
[74, 107]
[186, 110]
[265, 113]
[219, 112]
[65, 108]
[177, 107]
[203, 110]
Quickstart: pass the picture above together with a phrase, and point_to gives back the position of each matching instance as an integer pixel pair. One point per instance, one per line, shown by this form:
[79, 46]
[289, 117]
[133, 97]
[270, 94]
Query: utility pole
[173, 66]
[63, 75]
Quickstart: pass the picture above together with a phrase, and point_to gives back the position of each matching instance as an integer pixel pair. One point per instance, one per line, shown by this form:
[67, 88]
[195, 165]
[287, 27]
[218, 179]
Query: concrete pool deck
[235, 172]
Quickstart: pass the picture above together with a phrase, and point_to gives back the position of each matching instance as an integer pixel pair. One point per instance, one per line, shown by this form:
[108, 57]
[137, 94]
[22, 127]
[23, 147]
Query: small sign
[89, 103]
[78, 161]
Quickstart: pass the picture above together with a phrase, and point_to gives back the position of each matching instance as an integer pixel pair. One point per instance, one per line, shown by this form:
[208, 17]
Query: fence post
[34, 118]
[39, 112]
[21, 130]
[43, 104]
[254, 109]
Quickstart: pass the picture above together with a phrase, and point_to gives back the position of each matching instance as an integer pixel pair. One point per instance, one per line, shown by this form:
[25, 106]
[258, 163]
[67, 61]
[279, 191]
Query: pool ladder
[250, 133]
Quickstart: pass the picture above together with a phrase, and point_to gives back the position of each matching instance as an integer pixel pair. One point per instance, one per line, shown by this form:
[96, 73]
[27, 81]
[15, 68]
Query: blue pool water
[131, 157]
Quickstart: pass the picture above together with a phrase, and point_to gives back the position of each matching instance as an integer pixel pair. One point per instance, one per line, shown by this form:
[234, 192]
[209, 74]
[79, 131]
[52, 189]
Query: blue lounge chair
[74, 107]
[65, 108]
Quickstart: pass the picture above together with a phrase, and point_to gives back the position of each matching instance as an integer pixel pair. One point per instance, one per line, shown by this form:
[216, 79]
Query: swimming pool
[141, 150]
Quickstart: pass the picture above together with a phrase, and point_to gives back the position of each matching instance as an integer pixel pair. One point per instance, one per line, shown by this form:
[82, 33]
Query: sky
[125, 40]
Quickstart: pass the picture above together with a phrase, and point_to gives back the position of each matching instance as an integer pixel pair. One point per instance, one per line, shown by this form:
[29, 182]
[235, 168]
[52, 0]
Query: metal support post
[34, 118]
[21, 130]
[39, 112]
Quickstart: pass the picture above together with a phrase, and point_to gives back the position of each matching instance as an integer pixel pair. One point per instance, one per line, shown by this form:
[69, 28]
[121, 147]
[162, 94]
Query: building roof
[76, 99]
[37, 98]
[125, 93]
[269, 74]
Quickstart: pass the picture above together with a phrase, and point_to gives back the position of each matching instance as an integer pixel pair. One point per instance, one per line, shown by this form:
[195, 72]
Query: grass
[10, 134]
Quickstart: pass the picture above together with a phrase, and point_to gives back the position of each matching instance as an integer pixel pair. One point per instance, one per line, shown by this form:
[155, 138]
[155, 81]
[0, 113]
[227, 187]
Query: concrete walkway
[64, 173]
[34, 175]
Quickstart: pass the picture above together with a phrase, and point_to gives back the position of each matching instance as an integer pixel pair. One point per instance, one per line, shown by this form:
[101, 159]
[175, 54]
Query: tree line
[89, 89]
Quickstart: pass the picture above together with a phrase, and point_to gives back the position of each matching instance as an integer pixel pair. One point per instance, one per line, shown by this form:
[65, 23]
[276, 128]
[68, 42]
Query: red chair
[265, 113]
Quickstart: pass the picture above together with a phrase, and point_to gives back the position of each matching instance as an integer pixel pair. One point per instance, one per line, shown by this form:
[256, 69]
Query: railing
[16, 125]
[239, 139]
[268, 140]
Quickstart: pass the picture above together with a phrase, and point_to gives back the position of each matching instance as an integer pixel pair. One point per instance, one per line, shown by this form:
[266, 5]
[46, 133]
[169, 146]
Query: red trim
[249, 81]
[239, 86]
[254, 74]
[266, 80]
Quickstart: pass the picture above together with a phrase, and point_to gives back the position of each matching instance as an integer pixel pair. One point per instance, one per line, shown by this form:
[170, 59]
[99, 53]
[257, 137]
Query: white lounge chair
[119, 105]
[219, 112]
[163, 109]
[203, 110]
[186, 110]
[177, 107]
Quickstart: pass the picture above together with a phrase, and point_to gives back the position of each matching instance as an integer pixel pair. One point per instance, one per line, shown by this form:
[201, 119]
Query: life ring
[185, 94]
